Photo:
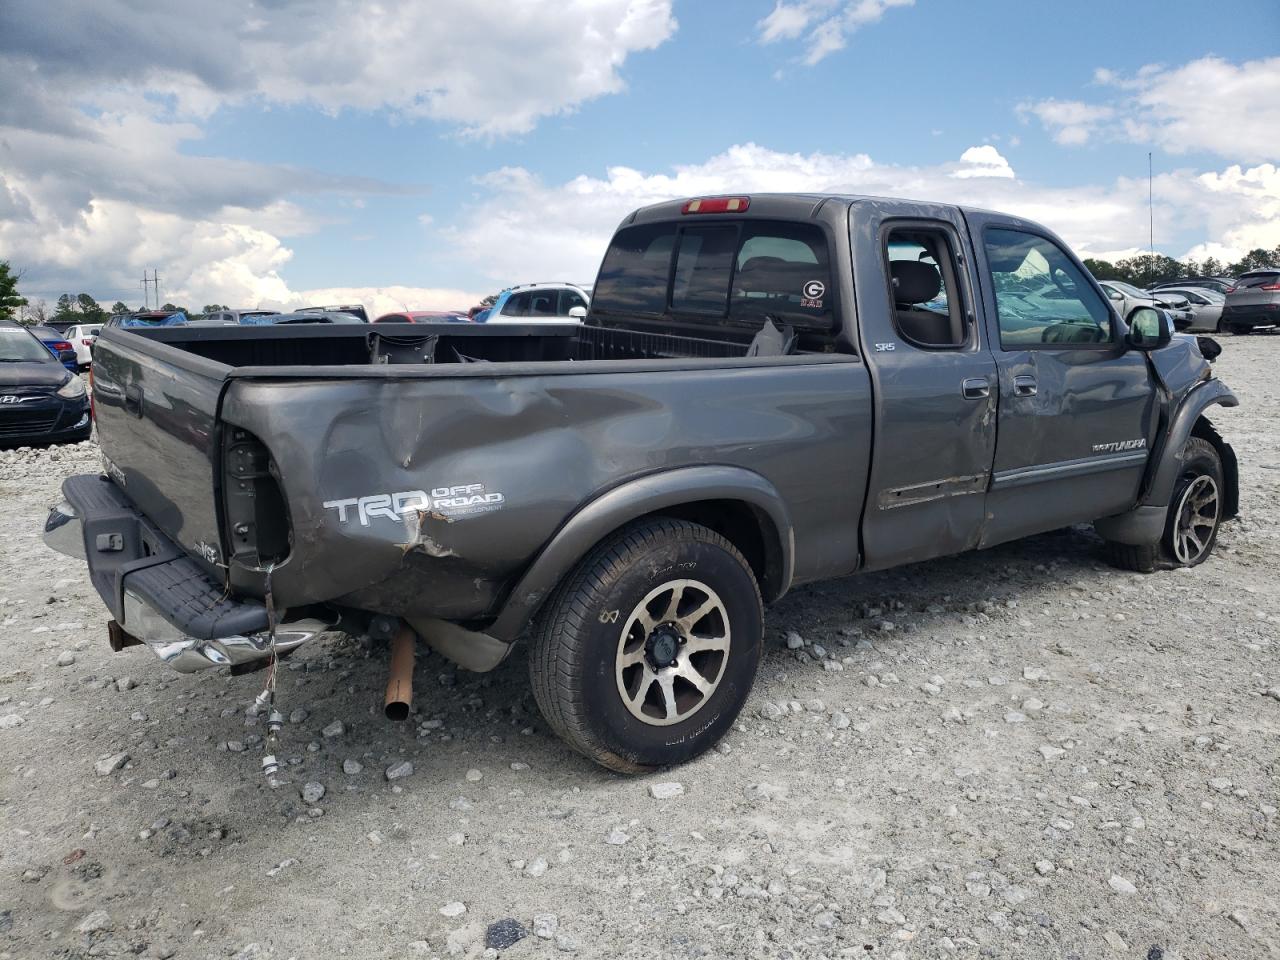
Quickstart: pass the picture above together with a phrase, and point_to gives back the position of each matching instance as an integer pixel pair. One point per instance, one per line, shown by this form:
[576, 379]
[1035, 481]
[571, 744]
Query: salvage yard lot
[1020, 752]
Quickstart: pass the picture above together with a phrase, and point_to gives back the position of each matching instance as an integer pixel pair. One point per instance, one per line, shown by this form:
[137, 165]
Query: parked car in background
[58, 345]
[299, 316]
[356, 310]
[425, 316]
[40, 401]
[1253, 302]
[146, 318]
[81, 338]
[1126, 298]
[537, 302]
[1220, 284]
[1205, 304]
[238, 316]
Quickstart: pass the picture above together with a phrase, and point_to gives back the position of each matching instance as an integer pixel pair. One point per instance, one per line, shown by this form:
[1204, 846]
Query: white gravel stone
[666, 791]
[109, 765]
[399, 770]
[1121, 886]
[312, 792]
[95, 922]
[618, 837]
[11, 720]
[1051, 753]
[455, 909]
[66, 658]
[474, 776]
[335, 729]
[794, 640]
[545, 926]
[351, 767]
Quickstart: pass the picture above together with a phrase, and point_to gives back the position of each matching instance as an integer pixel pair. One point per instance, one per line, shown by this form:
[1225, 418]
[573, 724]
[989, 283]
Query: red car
[425, 316]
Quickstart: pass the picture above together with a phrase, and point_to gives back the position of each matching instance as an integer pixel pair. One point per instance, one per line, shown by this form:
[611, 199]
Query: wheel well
[1230, 467]
[748, 528]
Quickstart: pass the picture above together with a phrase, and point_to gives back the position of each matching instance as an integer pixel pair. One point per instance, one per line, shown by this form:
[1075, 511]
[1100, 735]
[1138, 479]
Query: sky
[422, 153]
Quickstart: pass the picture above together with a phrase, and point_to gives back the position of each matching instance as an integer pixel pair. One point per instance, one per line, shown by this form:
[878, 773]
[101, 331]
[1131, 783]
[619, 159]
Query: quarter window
[927, 307]
[633, 276]
[1042, 297]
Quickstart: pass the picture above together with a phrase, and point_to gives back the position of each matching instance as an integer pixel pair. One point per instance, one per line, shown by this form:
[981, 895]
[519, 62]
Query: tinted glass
[1256, 280]
[542, 303]
[517, 305]
[922, 276]
[1042, 297]
[783, 272]
[570, 299]
[703, 267]
[17, 345]
[633, 277]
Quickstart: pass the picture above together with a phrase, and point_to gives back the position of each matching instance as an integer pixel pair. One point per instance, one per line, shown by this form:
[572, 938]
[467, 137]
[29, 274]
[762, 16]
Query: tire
[605, 642]
[1240, 329]
[1190, 531]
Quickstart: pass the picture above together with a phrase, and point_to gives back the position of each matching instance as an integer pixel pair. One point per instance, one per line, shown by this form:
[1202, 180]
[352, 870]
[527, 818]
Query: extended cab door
[934, 381]
[1076, 410]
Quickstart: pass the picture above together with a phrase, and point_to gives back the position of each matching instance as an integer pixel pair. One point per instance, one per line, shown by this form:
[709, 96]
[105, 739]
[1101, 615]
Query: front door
[934, 382]
[1077, 409]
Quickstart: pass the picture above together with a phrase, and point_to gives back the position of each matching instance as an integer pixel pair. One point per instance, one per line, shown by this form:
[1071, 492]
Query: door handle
[975, 388]
[1024, 386]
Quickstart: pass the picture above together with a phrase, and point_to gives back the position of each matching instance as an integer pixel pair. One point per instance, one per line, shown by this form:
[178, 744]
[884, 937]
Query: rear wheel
[1191, 525]
[646, 652]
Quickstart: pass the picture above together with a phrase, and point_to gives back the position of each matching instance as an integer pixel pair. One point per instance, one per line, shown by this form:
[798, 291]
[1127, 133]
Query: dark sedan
[40, 401]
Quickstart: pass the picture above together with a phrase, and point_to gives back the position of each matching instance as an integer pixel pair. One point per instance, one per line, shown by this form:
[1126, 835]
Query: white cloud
[1072, 122]
[826, 25]
[1207, 105]
[527, 229]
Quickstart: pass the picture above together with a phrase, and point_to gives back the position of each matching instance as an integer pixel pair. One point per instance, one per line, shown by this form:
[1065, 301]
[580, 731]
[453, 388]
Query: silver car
[1206, 306]
[1253, 302]
[1126, 298]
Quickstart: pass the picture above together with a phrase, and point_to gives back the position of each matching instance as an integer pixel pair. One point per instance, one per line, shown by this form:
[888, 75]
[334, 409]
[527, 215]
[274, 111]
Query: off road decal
[461, 500]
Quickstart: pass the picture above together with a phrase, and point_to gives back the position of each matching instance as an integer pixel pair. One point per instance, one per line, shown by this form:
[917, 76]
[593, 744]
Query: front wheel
[646, 652]
[1192, 522]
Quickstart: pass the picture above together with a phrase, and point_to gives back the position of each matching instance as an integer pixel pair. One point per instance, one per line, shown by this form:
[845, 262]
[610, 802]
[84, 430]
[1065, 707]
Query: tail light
[87, 342]
[1231, 290]
[1270, 286]
[717, 205]
[61, 345]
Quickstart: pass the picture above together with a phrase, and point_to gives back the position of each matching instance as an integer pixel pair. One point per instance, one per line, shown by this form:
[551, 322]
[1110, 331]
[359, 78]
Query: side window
[782, 271]
[1042, 297]
[568, 300]
[928, 310]
[633, 276]
[703, 266]
[517, 305]
[542, 303]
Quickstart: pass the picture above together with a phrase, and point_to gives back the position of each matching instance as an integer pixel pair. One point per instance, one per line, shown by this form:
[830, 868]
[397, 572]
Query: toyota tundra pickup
[767, 390]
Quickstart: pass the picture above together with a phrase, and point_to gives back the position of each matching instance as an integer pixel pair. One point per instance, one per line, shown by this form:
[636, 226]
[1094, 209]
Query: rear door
[934, 380]
[1077, 409]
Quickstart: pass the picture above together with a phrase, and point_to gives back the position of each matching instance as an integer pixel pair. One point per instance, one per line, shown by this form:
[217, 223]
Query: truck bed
[417, 469]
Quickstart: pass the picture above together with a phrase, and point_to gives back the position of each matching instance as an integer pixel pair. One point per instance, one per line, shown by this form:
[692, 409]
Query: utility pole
[154, 281]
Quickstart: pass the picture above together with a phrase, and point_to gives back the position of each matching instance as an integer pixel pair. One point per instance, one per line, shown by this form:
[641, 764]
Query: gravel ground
[1016, 753]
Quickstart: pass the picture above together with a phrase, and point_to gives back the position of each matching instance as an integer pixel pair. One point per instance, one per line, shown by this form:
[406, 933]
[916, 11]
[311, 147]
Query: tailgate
[156, 408]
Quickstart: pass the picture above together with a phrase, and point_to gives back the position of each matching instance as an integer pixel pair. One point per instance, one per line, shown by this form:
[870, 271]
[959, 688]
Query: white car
[538, 302]
[82, 337]
[1206, 306]
[1127, 298]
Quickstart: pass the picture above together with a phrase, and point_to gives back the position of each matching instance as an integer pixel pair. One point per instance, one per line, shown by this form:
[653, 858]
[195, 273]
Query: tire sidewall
[1201, 461]
[613, 725]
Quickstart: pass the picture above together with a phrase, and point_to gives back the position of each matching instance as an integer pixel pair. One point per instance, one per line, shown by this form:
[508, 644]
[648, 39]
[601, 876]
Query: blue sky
[367, 163]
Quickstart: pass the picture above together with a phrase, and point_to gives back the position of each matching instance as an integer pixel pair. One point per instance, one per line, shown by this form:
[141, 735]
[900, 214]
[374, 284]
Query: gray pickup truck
[768, 390]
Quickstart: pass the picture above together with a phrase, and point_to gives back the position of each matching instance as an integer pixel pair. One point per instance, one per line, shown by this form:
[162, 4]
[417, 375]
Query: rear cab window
[731, 275]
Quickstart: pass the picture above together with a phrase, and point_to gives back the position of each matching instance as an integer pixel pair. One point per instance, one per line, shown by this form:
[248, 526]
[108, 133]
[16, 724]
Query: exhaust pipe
[400, 681]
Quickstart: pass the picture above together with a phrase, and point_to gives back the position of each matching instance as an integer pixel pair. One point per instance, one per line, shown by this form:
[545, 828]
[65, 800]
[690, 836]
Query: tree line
[1146, 269]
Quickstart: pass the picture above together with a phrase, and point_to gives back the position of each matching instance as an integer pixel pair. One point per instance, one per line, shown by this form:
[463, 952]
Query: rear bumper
[1256, 314]
[156, 593]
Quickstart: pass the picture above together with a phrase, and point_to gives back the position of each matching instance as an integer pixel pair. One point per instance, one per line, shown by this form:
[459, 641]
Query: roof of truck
[789, 205]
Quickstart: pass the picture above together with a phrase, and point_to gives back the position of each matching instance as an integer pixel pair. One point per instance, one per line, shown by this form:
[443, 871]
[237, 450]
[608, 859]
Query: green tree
[9, 299]
[66, 311]
[93, 313]
[119, 307]
[214, 307]
[171, 308]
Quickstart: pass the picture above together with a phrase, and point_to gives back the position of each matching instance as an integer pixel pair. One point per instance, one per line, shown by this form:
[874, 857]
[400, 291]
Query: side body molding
[636, 498]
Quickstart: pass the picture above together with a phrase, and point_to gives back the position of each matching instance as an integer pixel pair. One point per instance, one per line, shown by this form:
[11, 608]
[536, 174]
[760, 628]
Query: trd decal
[1118, 446]
[457, 501]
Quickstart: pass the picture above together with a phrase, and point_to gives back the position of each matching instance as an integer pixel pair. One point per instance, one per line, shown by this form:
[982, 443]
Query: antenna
[1151, 222]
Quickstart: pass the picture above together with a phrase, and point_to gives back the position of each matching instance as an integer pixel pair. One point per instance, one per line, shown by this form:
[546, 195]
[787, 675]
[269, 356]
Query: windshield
[1129, 290]
[18, 345]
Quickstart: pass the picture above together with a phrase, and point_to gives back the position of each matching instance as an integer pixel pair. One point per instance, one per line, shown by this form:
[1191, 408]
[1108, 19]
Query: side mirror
[1114, 295]
[1149, 329]
[66, 356]
[578, 313]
